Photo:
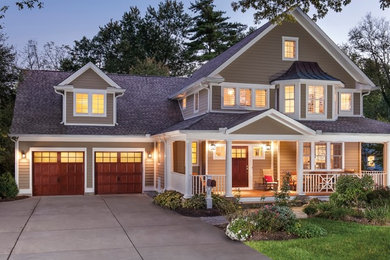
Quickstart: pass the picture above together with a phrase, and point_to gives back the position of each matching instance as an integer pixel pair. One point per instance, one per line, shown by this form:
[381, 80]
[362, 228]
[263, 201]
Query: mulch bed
[16, 198]
[198, 212]
[281, 235]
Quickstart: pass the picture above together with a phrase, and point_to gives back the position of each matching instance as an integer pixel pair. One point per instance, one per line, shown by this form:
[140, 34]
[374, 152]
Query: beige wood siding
[356, 104]
[89, 80]
[149, 172]
[24, 175]
[160, 167]
[215, 166]
[179, 156]
[352, 156]
[263, 61]
[108, 119]
[272, 98]
[266, 125]
[216, 97]
[258, 166]
[330, 102]
[303, 100]
[288, 158]
[203, 104]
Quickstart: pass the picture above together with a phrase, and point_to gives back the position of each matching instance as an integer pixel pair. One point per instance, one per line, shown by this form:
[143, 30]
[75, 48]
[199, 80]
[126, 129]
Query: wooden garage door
[58, 173]
[118, 172]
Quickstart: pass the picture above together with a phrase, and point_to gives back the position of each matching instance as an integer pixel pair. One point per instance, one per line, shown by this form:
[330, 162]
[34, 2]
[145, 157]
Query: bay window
[245, 97]
[324, 155]
[289, 96]
[260, 98]
[316, 100]
[229, 97]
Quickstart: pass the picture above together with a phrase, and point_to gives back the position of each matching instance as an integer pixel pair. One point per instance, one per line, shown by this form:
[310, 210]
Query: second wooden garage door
[118, 172]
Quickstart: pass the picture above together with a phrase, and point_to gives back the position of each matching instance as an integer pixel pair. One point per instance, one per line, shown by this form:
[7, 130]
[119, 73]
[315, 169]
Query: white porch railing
[326, 182]
[199, 183]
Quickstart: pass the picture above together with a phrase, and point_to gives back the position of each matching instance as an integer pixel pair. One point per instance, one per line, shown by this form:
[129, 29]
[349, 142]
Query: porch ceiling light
[23, 155]
[212, 147]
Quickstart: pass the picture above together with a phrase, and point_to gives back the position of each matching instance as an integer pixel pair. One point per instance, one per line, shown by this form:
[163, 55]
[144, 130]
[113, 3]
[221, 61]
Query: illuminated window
[184, 103]
[81, 103]
[336, 155]
[45, 157]
[320, 155]
[220, 152]
[306, 156]
[260, 98]
[72, 157]
[97, 103]
[245, 97]
[106, 157]
[316, 100]
[290, 48]
[196, 102]
[238, 153]
[289, 102]
[259, 152]
[194, 152]
[229, 97]
[131, 157]
[345, 102]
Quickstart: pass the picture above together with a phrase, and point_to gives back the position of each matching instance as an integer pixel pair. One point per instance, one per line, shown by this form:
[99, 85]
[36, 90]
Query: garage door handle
[58, 179]
[118, 179]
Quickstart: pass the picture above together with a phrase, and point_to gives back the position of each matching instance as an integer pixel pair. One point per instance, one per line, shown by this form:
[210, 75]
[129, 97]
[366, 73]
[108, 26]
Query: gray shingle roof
[143, 109]
[207, 68]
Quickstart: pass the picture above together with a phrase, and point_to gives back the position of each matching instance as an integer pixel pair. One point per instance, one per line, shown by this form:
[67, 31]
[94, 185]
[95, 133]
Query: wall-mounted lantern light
[150, 155]
[23, 155]
[212, 147]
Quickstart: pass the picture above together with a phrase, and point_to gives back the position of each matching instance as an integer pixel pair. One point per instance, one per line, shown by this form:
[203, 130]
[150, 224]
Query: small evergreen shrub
[377, 215]
[311, 209]
[274, 218]
[197, 201]
[240, 229]
[223, 205]
[169, 199]
[379, 197]
[282, 197]
[8, 187]
[307, 230]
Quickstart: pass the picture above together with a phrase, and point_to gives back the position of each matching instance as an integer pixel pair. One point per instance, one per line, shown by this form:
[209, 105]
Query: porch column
[386, 167]
[300, 168]
[188, 169]
[168, 163]
[228, 170]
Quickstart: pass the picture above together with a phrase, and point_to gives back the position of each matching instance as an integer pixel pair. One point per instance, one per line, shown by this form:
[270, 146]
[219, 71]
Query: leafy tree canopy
[276, 10]
[29, 4]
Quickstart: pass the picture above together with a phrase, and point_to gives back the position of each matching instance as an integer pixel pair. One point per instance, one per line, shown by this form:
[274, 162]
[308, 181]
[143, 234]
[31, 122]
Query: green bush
[380, 197]
[8, 187]
[332, 211]
[197, 201]
[311, 209]
[240, 229]
[352, 190]
[282, 197]
[274, 218]
[377, 215]
[169, 199]
[223, 205]
[307, 230]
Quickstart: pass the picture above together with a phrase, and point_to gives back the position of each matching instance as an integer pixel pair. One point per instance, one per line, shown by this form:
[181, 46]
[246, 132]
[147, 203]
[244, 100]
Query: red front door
[240, 166]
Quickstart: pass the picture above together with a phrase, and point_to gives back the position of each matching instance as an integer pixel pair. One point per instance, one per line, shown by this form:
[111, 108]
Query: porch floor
[270, 193]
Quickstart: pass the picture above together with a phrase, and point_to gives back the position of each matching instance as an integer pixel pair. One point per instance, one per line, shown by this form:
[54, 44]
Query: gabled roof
[143, 109]
[86, 67]
[216, 65]
[305, 70]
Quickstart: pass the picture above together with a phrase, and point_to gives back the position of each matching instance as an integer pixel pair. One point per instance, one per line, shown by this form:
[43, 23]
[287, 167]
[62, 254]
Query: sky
[64, 21]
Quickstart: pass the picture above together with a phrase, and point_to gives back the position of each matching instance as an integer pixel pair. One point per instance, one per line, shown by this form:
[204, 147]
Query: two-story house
[283, 100]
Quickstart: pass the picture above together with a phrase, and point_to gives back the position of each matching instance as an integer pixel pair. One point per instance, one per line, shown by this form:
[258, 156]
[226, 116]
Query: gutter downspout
[63, 106]
[116, 96]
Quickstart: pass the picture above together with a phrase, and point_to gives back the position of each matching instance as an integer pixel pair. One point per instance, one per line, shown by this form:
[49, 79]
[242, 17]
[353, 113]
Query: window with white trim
[345, 102]
[327, 156]
[196, 102]
[320, 156]
[260, 98]
[89, 104]
[245, 97]
[194, 152]
[289, 99]
[220, 152]
[336, 155]
[316, 100]
[229, 97]
[306, 156]
[290, 48]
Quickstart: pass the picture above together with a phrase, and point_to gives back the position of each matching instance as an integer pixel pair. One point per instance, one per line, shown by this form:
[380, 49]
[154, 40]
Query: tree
[149, 66]
[8, 78]
[370, 39]
[211, 33]
[29, 4]
[277, 10]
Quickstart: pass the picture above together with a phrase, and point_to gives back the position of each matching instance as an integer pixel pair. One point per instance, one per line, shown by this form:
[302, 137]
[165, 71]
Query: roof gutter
[201, 81]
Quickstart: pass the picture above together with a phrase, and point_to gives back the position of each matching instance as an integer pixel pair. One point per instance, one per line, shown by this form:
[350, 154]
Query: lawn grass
[345, 240]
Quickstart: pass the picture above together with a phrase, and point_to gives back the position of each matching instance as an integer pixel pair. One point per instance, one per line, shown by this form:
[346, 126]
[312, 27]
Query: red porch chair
[269, 182]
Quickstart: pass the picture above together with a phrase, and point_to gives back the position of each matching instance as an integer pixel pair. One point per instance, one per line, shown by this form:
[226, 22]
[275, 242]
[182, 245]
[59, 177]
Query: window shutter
[356, 104]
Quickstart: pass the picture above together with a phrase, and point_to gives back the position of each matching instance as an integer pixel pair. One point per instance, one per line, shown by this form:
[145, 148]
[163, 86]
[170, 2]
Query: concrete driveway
[108, 227]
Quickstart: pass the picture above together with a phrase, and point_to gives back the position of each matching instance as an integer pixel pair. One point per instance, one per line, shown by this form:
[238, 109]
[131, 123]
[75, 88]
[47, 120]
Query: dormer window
[89, 104]
[290, 48]
[316, 100]
[229, 97]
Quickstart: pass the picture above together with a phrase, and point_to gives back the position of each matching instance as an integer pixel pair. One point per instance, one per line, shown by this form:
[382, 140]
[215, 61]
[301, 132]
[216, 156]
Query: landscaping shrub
[223, 205]
[274, 218]
[299, 201]
[352, 190]
[379, 197]
[377, 215]
[307, 230]
[8, 187]
[240, 229]
[169, 199]
[311, 209]
[198, 201]
[282, 197]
